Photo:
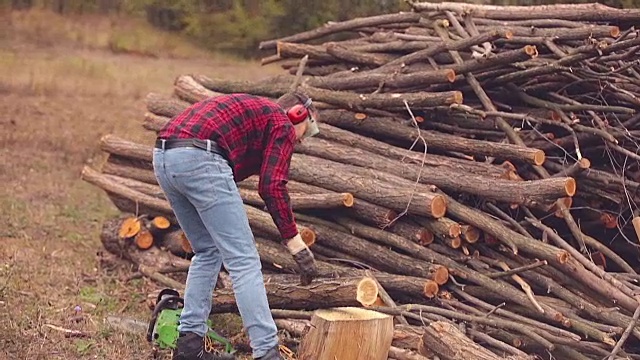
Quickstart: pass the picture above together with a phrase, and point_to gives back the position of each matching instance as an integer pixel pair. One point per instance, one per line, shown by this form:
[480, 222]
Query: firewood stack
[477, 166]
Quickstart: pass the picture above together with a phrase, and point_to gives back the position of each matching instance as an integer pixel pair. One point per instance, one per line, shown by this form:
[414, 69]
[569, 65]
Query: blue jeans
[201, 190]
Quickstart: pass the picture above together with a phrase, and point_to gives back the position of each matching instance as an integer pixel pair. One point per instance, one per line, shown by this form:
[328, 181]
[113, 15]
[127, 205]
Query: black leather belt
[206, 145]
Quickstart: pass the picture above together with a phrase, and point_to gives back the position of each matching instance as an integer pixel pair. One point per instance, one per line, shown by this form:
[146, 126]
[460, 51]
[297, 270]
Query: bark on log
[128, 171]
[333, 330]
[340, 177]
[304, 201]
[449, 343]
[373, 80]
[153, 122]
[152, 258]
[575, 12]
[116, 145]
[344, 99]
[397, 353]
[176, 242]
[345, 54]
[381, 128]
[164, 105]
[331, 28]
[322, 293]
[528, 193]
[127, 199]
[375, 254]
[360, 209]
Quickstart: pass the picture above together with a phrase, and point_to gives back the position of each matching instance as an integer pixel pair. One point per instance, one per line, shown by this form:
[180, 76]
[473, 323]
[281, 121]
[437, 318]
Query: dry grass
[61, 88]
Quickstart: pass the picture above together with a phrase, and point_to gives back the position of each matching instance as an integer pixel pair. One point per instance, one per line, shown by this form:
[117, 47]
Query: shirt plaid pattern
[258, 139]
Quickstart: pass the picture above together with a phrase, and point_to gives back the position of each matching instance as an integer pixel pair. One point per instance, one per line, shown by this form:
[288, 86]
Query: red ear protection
[297, 114]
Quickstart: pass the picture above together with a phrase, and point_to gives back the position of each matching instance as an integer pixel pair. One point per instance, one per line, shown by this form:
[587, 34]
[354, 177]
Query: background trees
[238, 25]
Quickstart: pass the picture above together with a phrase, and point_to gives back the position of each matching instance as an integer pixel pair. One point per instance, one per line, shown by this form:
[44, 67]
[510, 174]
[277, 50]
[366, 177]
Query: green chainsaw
[163, 326]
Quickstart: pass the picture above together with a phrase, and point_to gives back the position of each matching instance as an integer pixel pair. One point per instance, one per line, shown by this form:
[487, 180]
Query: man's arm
[274, 175]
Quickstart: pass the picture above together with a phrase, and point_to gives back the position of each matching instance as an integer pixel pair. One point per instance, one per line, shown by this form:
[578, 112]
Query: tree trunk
[275, 255]
[336, 27]
[163, 105]
[340, 177]
[353, 139]
[112, 167]
[386, 129]
[577, 12]
[304, 201]
[373, 80]
[124, 248]
[345, 99]
[290, 295]
[449, 343]
[333, 332]
[377, 255]
[189, 90]
[513, 192]
[176, 242]
[126, 199]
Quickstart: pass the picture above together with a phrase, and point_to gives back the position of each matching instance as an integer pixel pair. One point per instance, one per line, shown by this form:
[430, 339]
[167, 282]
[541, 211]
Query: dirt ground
[63, 86]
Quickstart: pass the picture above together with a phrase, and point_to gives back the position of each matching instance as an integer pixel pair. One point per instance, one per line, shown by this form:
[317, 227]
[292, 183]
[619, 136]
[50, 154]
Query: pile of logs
[475, 177]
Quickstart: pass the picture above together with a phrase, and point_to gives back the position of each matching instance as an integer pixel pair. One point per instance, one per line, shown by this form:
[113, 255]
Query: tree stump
[347, 333]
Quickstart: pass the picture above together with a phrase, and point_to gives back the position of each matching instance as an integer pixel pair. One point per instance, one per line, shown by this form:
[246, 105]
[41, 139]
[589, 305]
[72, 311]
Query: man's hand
[304, 258]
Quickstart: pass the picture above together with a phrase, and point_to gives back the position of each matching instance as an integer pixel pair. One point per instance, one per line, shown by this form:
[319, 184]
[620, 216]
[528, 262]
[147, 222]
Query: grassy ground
[63, 86]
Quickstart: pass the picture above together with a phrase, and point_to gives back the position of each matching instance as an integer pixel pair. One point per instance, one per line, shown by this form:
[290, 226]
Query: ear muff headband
[299, 113]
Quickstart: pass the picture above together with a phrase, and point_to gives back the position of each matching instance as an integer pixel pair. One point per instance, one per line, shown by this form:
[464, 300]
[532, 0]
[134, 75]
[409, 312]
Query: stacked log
[478, 164]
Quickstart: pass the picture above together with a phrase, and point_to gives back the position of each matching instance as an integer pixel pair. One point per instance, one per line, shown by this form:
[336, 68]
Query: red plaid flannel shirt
[258, 138]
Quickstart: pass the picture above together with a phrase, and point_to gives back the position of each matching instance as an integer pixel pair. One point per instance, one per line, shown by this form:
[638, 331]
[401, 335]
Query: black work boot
[273, 354]
[191, 346]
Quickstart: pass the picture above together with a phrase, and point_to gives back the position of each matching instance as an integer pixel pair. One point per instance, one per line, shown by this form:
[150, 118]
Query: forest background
[237, 26]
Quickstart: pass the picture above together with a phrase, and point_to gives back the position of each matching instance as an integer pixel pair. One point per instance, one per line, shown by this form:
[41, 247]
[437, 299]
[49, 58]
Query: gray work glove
[304, 258]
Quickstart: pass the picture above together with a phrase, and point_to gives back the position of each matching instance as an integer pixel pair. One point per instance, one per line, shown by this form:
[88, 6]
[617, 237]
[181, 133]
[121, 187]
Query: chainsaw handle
[167, 299]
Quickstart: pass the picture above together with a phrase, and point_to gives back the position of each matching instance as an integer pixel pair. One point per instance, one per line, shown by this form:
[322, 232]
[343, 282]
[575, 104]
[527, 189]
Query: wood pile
[476, 176]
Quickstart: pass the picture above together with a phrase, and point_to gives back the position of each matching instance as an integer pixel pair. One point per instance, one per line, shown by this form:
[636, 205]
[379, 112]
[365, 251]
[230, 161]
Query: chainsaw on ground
[163, 326]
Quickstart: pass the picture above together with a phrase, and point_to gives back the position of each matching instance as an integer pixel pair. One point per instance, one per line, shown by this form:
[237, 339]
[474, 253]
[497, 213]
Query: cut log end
[425, 237]
[144, 240]
[389, 217]
[562, 257]
[570, 186]
[367, 292]
[438, 206]
[308, 236]
[539, 157]
[615, 31]
[566, 201]
[160, 222]
[332, 332]
[531, 50]
[348, 199]
[455, 230]
[609, 221]
[453, 243]
[458, 98]
[470, 233]
[430, 289]
[186, 245]
[130, 227]
[440, 275]
[451, 75]
[584, 163]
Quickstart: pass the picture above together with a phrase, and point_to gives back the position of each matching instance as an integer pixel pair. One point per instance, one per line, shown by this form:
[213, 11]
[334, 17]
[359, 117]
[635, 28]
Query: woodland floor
[61, 88]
